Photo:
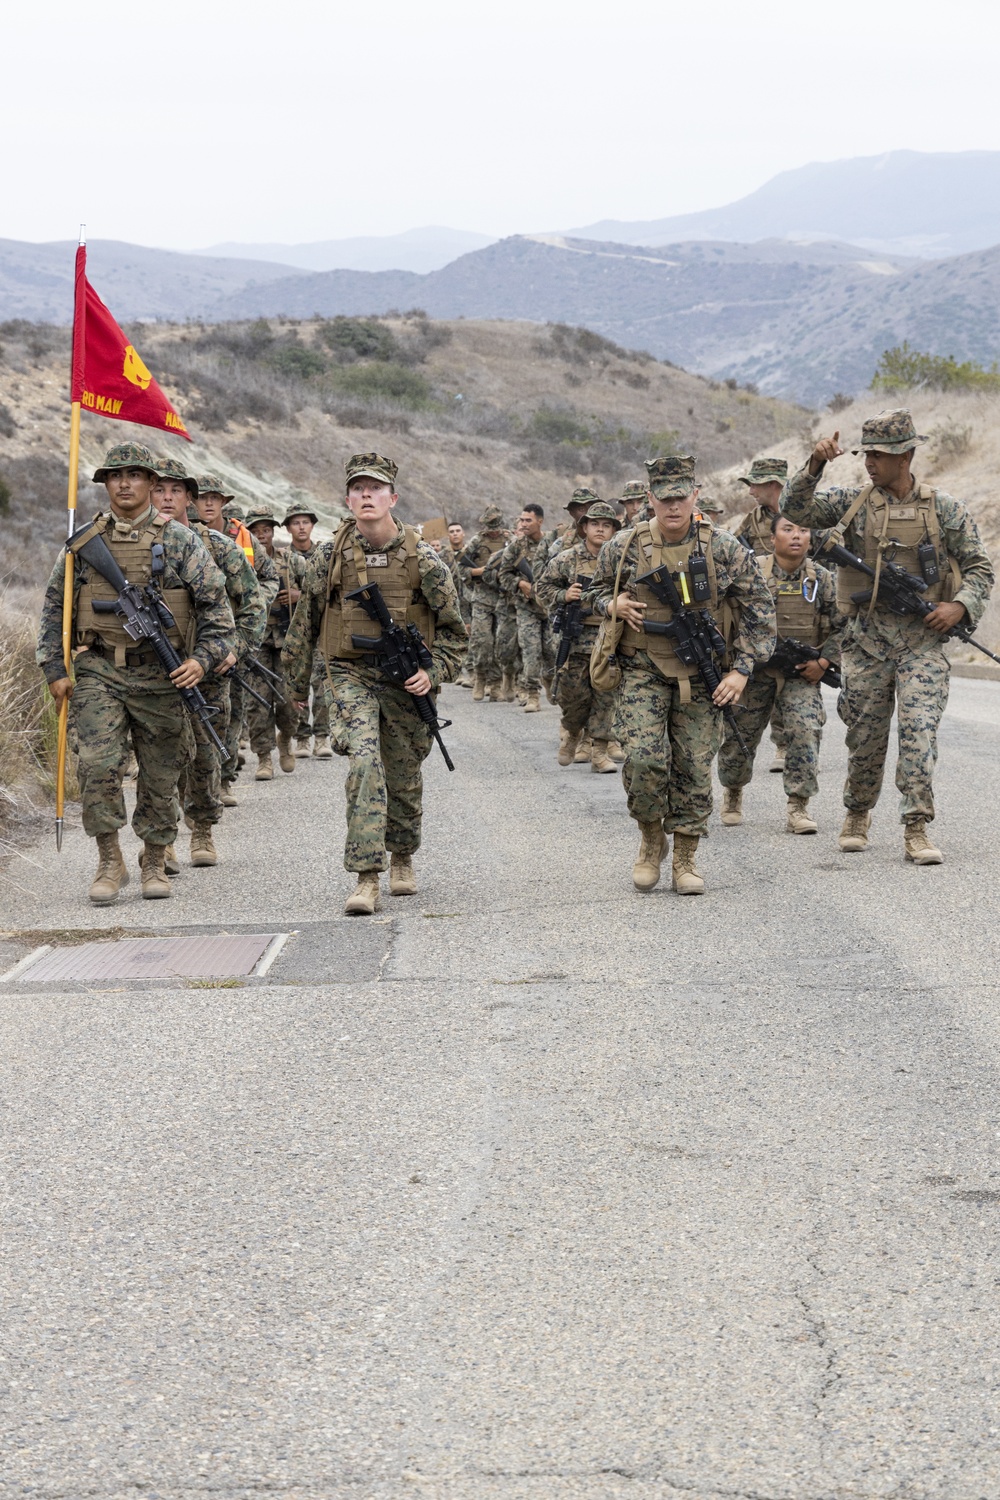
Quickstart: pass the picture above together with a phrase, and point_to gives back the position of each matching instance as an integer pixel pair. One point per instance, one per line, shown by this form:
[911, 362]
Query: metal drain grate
[227, 956]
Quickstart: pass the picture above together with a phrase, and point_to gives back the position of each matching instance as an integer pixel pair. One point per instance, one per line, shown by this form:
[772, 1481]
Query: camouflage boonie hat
[372, 466]
[582, 496]
[492, 519]
[299, 510]
[635, 490]
[211, 484]
[170, 468]
[192, 512]
[126, 456]
[257, 514]
[710, 506]
[671, 477]
[766, 471]
[600, 510]
[889, 432]
[232, 511]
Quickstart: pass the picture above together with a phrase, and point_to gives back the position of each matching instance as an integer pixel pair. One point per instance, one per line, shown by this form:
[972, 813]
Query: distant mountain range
[416, 250]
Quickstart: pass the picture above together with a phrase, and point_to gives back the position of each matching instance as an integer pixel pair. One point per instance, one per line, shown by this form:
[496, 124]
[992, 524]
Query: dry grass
[27, 720]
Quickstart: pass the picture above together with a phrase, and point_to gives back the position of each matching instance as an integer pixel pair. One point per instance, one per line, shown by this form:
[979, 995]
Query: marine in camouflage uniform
[566, 580]
[634, 502]
[892, 660]
[567, 535]
[376, 723]
[199, 786]
[668, 724]
[805, 596]
[490, 539]
[280, 718]
[314, 723]
[120, 687]
[534, 637]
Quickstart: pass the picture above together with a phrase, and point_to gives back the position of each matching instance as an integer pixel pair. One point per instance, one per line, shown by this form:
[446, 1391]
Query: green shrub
[662, 444]
[296, 361]
[386, 381]
[555, 425]
[904, 368]
[360, 338]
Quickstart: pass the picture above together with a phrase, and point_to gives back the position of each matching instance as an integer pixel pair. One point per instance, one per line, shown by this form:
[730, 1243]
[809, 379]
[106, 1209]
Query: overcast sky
[183, 124]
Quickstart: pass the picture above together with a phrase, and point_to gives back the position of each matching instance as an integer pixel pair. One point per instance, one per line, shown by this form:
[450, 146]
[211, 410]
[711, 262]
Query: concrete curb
[986, 669]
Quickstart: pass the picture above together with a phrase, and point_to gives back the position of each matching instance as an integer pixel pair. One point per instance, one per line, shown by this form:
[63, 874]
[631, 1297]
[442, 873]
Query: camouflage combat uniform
[891, 660]
[123, 690]
[534, 637]
[803, 714]
[668, 726]
[582, 706]
[374, 722]
[269, 582]
[316, 719]
[485, 596]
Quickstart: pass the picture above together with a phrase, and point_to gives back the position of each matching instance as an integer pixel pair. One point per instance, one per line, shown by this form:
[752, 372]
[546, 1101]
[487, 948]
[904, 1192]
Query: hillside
[472, 411]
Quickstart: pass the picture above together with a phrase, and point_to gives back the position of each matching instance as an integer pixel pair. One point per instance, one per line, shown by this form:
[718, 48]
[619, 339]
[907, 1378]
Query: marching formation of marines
[668, 642]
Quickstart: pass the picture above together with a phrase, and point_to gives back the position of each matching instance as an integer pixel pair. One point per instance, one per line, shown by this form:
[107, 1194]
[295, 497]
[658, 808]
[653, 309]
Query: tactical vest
[585, 567]
[752, 530]
[653, 552]
[132, 551]
[397, 573]
[798, 619]
[908, 522]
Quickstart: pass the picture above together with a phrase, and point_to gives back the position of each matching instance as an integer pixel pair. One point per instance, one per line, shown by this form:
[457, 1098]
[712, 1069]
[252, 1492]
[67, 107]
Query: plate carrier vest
[888, 520]
[133, 554]
[398, 578]
[653, 552]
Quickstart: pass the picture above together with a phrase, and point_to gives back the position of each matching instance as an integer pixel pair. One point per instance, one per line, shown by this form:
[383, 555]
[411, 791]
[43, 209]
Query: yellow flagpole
[67, 618]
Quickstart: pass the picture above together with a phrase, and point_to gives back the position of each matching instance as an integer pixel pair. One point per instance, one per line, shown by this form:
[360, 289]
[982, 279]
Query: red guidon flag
[108, 376]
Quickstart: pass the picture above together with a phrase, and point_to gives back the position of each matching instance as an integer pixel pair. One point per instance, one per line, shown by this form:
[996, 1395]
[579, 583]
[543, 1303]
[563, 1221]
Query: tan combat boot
[732, 806]
[918, 846]
[478, 688]
[171, 863]
[495, 692]
[229, 798]
[652, 850]
[799, 820]
[521, 696]
[302, 748]
[854, 834]
[155, 885]
[265, 768]
[286, 760]
[322, 749]
[112, 873]
[567, 747]
[532, 705]
[584, 750]
[402, 881]
[778, 761]
[600, 760]
[687, 879]
[506, 688]
[616, 752]
[202, 849]
[547, 684]
[364, 898]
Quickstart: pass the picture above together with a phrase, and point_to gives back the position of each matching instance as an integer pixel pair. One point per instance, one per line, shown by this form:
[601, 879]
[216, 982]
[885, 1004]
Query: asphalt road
[531, 1187]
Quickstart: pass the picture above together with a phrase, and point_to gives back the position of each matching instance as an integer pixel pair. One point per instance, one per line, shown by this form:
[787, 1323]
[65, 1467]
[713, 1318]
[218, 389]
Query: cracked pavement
[531, 1187]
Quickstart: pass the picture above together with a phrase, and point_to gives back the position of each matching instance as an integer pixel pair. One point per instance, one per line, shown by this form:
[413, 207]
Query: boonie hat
[492, 519]
[299, 510]
[126, 456]
[671, 477]
[766, 471]
[635, 490]
[371, 466]
[211, 484]
[232, 511]
[889, 432]
[170, 468]
[582, 496]
[600, 510]
[260, 513]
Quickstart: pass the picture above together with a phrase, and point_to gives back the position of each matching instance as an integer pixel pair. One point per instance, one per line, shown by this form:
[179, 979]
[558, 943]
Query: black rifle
[789, 654]
[900, 592]
[402, 652]
[696, 637]
[145, 617]
[235, 675]
[525, 569]
[567, 622]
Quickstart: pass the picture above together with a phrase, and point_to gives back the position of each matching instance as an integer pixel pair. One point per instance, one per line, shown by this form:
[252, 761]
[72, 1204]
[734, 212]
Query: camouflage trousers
[802, 719]
[538, 654]
[234, 728]
[109, 703]
[199, 785]
[377, 728]
[318, 723]
[582, 707]
[280, 712]
[483, 642]
[669, 748]
[916, 684]
[778, 735]
[508, 653]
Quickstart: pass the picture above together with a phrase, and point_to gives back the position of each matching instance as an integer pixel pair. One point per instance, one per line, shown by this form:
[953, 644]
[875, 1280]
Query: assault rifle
[789, 654]
[697, 639]
[567, 622]
[900, 592]
[402, 652]
[145, 617]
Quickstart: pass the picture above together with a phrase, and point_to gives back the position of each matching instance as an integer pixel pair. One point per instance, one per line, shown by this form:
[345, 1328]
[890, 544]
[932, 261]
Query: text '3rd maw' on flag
[109, 377]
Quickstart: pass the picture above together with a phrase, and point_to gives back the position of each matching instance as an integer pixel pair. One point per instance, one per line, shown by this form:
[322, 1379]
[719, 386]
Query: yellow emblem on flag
[134, 369]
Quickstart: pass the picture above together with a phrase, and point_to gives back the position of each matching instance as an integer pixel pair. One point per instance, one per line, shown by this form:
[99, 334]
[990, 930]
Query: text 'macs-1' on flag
[109, 377]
